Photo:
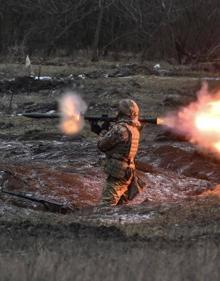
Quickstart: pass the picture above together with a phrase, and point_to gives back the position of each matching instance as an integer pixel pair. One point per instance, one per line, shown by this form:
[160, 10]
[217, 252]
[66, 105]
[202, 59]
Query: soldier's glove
[106, 125]
[95, 128]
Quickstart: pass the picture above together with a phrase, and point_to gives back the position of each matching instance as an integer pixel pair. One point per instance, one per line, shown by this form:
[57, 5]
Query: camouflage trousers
[119, 191]
[114, 191]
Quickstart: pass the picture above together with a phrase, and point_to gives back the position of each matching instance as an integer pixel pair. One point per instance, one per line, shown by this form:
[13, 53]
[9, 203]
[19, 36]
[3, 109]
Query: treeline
[185, 31]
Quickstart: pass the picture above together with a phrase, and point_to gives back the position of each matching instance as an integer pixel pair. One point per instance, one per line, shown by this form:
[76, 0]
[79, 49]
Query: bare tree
[159, 29]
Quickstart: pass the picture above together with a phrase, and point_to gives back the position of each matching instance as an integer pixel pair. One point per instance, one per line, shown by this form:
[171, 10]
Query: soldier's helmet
[129, 108]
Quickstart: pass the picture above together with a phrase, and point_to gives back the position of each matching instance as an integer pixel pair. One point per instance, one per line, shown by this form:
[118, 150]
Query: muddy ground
[169, 232]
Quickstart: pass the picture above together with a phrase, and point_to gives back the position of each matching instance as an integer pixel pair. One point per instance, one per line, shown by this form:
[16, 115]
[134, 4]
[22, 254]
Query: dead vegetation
[55, 248]
[173, 235]
[111, 260]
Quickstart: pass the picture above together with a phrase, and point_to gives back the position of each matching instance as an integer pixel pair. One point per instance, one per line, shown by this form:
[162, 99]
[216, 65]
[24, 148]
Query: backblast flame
[200, 120]
[72, 108]
[160, 121]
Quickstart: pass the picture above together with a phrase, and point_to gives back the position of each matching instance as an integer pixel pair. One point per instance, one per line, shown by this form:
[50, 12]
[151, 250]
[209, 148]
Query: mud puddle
[70, 173]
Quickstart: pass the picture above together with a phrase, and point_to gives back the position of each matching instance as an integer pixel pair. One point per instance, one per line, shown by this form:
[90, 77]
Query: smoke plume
[72, 107]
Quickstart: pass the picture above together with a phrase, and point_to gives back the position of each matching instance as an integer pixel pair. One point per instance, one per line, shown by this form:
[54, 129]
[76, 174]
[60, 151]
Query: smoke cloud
[72, 108]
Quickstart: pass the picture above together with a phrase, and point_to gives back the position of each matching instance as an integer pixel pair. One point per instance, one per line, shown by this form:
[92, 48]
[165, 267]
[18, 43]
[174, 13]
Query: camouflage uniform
[120, 145]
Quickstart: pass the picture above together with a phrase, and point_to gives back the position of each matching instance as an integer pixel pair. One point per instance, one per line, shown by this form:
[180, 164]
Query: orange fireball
[199, 121]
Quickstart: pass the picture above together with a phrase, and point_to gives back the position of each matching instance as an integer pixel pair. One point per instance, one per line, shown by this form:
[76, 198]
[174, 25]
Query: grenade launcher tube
[103, 118]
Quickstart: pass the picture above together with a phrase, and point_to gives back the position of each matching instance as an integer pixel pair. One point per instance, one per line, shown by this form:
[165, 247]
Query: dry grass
[52, 68]
[89, 259]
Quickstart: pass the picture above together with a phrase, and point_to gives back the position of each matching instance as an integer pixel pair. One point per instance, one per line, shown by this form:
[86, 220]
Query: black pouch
[129, 173]
[135, 187]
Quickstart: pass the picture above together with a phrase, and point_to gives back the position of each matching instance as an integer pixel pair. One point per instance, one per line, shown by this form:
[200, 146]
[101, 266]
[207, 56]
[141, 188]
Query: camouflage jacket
[120, 144]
